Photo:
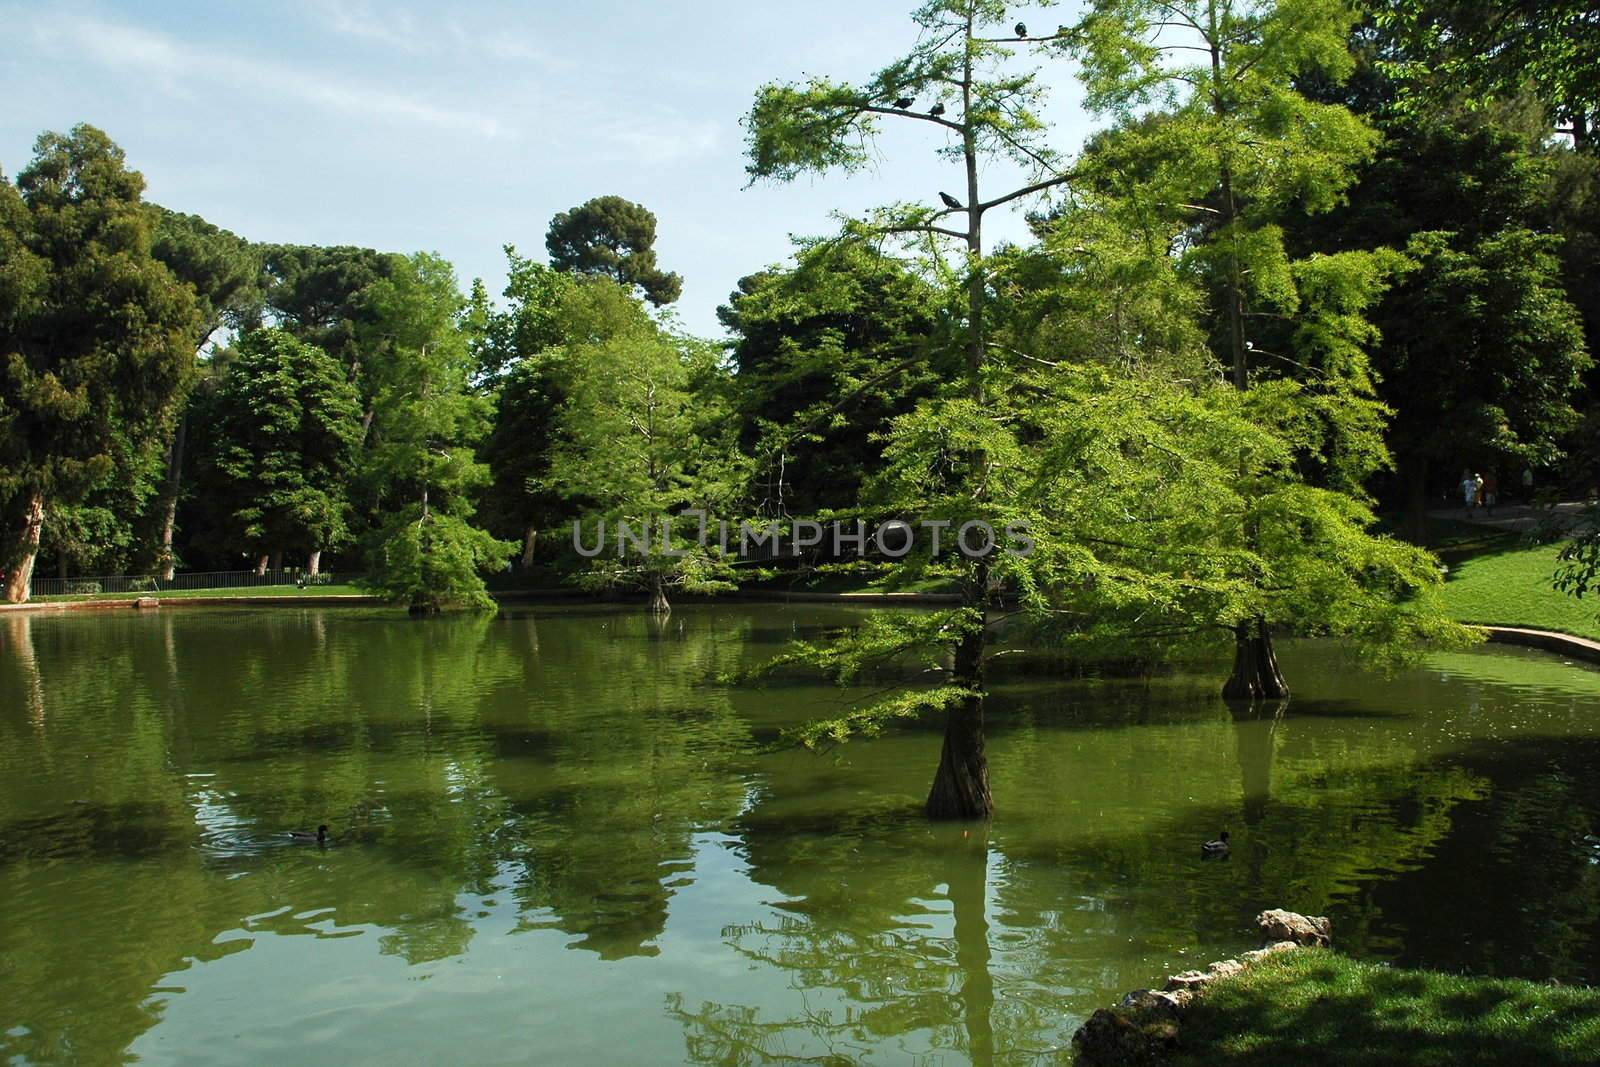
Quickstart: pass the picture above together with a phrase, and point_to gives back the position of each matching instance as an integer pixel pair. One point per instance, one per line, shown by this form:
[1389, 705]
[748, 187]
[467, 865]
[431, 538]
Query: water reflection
[553, 832]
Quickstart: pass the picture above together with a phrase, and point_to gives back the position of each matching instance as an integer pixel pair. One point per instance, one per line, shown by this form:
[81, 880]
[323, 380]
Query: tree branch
[1026, 190]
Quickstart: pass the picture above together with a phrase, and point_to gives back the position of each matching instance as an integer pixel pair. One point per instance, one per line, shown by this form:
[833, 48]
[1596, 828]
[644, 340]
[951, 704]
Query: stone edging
[1143, 1028]
[1579, 648]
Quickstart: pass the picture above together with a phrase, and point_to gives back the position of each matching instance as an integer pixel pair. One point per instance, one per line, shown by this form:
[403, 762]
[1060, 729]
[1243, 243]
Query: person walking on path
[1469, 490]
[1491, 491]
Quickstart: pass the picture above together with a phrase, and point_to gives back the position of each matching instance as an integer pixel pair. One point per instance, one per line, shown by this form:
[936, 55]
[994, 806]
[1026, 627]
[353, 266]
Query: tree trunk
[261, 565]
[658, 597]
[530, 542]
[169, 497]
[314, 563]
[20, 577]
[61, 564]
[1255, 665]
[961, 784]
[277, 561]
[1415, 468]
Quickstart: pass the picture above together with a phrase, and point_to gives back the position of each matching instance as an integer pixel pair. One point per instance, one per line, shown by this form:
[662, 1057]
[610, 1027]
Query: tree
[516, 362]
[986, 112]
[826, 353]
[1481, 352]
[426, 425]
[225, 273]
[1497, 48]
[291, 427]
[1237, 149]
[97, 336]
[637, 443]
[614, 238]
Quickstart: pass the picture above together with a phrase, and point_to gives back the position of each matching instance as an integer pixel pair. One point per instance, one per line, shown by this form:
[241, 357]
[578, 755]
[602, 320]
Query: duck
[1213, 850]
[320, 837]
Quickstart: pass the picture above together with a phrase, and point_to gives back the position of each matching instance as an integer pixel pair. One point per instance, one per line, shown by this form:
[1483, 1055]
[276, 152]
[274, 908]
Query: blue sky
[461, 128]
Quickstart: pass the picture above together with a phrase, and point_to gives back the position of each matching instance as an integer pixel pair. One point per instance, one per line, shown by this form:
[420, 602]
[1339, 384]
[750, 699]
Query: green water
[558, 844]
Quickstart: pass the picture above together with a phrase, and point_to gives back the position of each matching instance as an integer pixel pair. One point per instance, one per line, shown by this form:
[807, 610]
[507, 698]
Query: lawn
[1511, 586]
[189, 594]
[1315, 1008]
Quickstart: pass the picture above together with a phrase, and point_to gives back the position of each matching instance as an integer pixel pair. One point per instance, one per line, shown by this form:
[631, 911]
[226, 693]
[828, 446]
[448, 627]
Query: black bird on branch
[904, 102]
[951, 202]
[1022, 29]
[936, 110]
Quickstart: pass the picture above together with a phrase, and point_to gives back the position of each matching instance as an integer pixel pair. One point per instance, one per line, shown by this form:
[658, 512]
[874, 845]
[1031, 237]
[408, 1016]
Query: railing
[144, 583]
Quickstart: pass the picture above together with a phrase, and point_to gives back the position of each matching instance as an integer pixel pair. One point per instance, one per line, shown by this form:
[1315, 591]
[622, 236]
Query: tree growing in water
[426, 425]
[958, 72]
[1236, 148]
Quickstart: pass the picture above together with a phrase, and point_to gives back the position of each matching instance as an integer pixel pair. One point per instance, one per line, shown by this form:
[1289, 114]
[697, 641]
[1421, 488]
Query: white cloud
[177, 65]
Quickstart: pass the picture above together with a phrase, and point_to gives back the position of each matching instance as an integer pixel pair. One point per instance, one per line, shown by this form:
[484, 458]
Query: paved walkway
[1516, 518]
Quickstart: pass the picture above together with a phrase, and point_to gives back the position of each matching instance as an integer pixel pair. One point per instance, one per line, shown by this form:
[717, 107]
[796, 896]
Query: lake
[557, 840]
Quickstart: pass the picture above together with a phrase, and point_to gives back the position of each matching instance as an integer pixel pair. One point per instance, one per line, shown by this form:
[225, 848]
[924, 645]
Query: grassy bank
[1317, 1008]
[1510, 585]
[266, 591]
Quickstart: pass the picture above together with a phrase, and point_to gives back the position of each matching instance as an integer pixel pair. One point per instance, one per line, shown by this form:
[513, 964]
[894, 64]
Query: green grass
[1316, 1008]
[189, 594]
[1511, 586]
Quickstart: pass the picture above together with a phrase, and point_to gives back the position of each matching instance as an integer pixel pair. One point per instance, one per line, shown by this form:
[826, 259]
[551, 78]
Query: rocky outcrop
[1143, 1029]
[1279, 925]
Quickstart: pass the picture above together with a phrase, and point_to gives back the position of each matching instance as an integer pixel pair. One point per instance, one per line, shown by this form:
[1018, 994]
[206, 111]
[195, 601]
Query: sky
[461, 128]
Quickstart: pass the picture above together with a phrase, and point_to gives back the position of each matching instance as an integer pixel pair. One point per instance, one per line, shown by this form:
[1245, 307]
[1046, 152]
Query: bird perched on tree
[936, 110]
[1022, 29]
[904, 102]
[950, 202]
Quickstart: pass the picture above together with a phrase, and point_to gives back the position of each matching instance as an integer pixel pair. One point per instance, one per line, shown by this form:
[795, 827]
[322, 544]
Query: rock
[1279, 925]
[1225, 968]
[1273, 949]
[1156, 1004]
[1188, 980]
[1111, 1039]
[146, 602]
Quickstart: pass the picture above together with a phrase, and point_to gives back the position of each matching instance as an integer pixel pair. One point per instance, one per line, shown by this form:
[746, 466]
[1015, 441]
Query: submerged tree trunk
[19, 578]
[530, 542]
[314, 562]
[658, 597]
[169, 497]
[1255, 666]
[961, 784]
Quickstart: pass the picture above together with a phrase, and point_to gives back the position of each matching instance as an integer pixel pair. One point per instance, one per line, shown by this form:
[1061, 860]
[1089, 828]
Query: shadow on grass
[1316, 1008]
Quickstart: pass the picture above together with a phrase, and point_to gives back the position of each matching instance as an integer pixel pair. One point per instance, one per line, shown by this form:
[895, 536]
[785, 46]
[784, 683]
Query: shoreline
[1578, 648]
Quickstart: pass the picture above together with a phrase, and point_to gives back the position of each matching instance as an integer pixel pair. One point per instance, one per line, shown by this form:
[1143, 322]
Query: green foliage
[96, 335]
[640, 439]
[826, 353]
[289, 434]
[1477, 50]
[614, 238]
[427, 423]
[223, 269]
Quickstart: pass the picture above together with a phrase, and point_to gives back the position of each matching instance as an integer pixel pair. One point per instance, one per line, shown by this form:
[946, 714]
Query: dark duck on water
[1215, 850]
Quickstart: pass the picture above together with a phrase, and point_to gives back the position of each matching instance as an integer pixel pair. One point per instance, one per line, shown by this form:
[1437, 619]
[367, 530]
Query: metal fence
[144, 583]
